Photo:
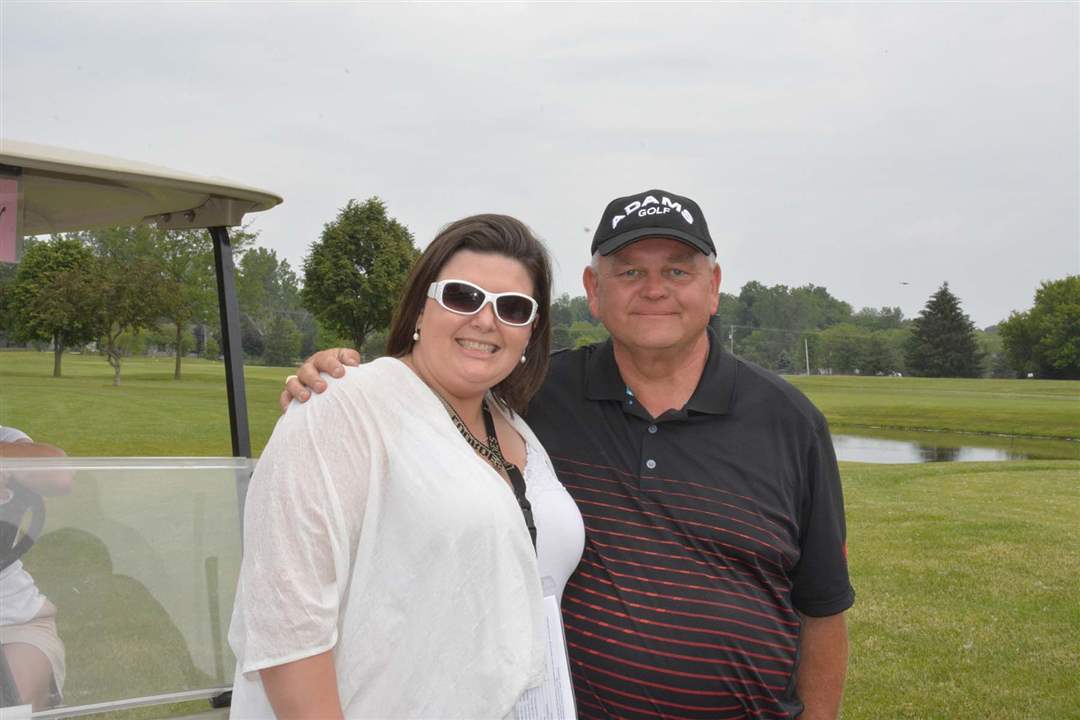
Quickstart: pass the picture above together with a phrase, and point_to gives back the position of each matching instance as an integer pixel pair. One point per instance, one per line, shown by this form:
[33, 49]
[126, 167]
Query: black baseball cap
[653, 213]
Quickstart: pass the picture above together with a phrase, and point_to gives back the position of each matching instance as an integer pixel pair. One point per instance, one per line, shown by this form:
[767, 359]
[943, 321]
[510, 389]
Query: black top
[706, 529]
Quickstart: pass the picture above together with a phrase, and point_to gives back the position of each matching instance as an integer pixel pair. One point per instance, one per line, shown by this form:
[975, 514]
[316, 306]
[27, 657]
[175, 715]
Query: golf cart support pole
[231, 348]
[230, 342]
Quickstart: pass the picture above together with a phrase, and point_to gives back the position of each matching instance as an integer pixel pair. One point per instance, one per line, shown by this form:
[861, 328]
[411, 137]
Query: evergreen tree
[942, 342]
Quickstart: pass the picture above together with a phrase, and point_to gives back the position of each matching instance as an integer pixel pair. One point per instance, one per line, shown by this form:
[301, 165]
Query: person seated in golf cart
[32, 649]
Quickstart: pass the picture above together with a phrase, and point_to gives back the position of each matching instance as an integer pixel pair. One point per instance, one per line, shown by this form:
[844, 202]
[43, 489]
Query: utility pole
[806, 349]
[731, 340]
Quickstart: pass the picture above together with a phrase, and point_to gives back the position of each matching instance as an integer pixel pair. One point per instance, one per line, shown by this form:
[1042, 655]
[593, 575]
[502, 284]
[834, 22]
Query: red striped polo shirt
[707, 531]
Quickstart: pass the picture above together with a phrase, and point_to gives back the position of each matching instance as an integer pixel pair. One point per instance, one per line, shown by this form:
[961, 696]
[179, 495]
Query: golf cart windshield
[117, 572]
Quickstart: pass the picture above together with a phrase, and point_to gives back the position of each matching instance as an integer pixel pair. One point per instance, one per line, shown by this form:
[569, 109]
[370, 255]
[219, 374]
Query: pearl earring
[416, 335]
[523, 359]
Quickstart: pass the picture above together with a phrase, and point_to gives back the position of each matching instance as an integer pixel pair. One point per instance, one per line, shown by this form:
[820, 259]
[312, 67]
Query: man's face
[654, 294]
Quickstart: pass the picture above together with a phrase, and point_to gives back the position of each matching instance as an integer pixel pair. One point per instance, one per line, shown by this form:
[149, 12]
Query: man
[714, 578]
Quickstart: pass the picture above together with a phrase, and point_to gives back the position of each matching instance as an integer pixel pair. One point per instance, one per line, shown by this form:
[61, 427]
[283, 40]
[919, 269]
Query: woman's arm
[302, 518]
[304, 689]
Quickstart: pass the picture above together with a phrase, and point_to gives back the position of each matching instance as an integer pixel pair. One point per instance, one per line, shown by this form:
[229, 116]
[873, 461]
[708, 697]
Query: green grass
[149, 414]
[968, 604]
[1033, 408]
[152, 414]
[968, 600]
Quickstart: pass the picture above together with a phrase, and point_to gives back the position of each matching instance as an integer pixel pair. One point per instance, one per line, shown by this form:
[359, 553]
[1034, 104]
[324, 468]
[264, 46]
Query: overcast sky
[858, 147]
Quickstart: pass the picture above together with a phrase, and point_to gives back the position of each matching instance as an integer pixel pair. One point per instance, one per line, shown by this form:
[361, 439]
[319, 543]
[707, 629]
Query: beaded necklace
[492, 454]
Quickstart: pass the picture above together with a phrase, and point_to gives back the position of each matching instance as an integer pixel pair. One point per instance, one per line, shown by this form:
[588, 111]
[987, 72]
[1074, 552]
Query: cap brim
[621, 240]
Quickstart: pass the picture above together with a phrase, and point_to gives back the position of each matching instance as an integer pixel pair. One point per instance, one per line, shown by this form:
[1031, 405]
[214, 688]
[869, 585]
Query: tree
[188, 287]
[127, 286]
[309, 332]
[560, 338]
[572, 324]
[726, 315]
[560, 311]
[1046, 339]
[779, 307]
[282, 342]
[887, 318]
[897, 341]
[845, 348]
[7, 285]
[266, 287]
[586, 333]
[878, 356]
[817, 308]
[355, 273]
[375, 345]
[942, 342]
[51, 298]
[773, 349]
[745, 319]
[579, 310]
[252, 339]
[992, 348]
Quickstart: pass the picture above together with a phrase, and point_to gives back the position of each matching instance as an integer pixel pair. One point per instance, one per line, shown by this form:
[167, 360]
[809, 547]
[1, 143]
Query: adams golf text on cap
[654, 213]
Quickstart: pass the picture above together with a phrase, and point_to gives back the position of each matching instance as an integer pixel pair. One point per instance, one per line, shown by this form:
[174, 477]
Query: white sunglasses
[464, 298]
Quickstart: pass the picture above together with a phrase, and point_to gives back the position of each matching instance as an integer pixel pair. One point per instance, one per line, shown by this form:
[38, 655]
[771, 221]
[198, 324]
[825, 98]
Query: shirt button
[652, 429]
[651, 464]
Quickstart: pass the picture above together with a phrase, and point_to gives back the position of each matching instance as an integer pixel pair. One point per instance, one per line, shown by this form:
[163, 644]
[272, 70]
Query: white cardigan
[372, 528]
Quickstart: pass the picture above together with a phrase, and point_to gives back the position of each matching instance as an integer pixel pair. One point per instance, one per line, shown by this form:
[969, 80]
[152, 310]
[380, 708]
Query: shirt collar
[712, 395]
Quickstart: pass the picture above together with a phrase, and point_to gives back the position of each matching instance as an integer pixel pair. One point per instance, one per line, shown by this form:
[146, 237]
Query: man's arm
[332, 362]
[823, 656]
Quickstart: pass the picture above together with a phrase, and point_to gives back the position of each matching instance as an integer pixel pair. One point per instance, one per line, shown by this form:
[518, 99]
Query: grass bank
[149, 414]
[152, 414]
[968, 605]
[1032, 408]
[967, 602]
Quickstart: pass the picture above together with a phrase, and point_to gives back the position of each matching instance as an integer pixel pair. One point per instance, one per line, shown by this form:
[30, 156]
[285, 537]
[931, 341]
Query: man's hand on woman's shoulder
[307, 378]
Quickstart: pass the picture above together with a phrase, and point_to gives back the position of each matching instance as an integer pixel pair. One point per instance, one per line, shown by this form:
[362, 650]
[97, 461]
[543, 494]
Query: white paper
[554, 699]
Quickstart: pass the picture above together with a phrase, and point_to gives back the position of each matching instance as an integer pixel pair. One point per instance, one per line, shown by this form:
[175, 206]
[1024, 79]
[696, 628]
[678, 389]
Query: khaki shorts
[41, 633]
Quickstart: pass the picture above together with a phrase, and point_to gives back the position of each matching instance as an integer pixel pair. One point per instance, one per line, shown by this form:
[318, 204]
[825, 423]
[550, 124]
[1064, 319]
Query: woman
[389, 570]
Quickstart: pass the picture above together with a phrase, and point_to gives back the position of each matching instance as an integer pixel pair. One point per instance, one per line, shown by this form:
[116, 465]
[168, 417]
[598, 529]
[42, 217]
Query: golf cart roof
[64, 190]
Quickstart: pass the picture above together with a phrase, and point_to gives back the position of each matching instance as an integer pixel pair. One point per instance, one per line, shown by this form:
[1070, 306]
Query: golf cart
[140, 558]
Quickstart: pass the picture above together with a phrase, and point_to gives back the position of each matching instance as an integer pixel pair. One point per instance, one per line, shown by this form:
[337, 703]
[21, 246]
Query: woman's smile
[478, 345]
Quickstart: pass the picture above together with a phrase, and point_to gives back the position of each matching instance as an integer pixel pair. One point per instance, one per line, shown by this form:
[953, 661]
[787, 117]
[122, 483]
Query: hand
[307, 378]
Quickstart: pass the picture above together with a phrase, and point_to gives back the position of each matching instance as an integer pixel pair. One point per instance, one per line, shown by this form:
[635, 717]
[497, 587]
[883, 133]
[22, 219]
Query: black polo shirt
[706, 529]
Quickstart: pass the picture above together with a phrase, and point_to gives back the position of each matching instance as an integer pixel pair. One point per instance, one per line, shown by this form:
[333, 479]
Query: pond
[918, 447]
